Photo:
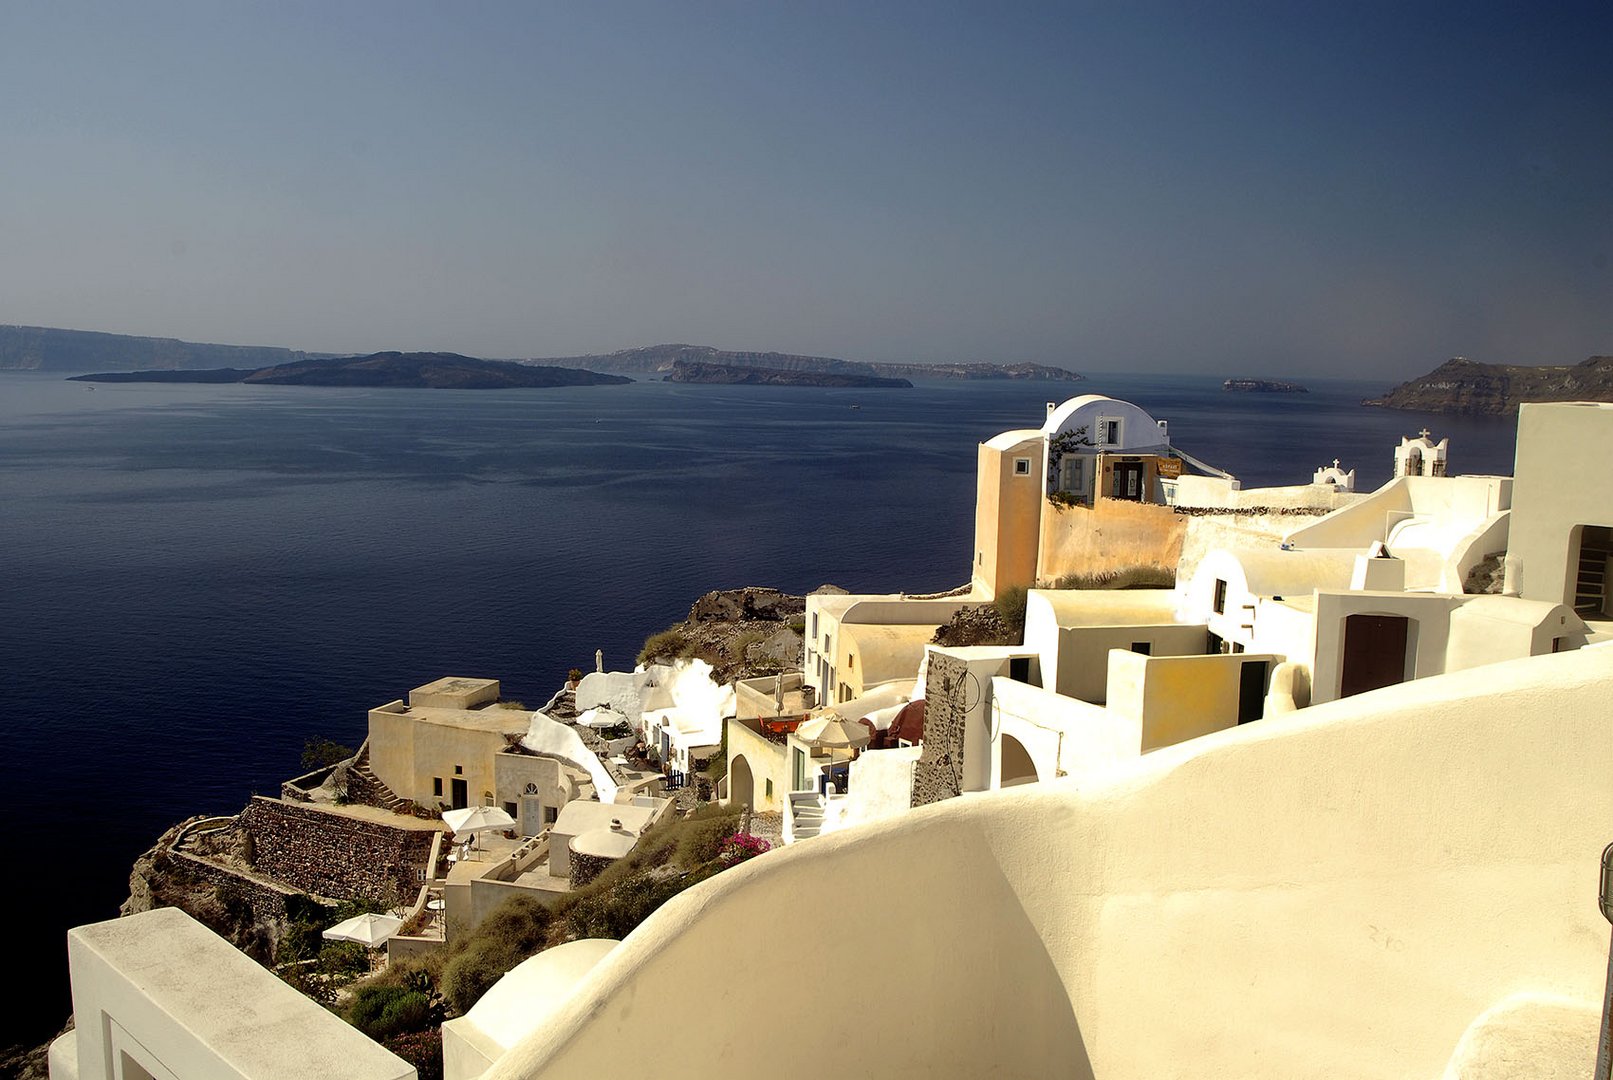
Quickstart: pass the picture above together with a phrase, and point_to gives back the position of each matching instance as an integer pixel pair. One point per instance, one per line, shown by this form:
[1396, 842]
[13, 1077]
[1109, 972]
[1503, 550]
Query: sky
[1346, 190]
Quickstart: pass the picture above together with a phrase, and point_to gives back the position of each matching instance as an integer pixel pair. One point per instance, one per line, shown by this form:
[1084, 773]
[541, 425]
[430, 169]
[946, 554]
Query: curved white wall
[1341, 892]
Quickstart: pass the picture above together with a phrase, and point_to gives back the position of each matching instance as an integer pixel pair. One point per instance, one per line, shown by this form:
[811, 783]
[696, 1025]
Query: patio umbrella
[832, 733]
[370, 930]
[475, 819]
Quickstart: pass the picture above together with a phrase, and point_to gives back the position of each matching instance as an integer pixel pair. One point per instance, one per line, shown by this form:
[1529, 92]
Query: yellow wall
[1179, 697]
[1008, 512]
[1112, 536]
[767, 761]
[408, 752]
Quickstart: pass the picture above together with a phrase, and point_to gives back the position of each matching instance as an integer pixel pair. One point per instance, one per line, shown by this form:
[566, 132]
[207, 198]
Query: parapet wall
[334, 855]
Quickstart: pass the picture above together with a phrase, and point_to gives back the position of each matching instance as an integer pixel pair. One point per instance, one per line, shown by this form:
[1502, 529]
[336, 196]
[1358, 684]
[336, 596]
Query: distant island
[44, 348]
[1263, 386]
[688, 371]
[436, 371]
[661, 359]
[1467, 387]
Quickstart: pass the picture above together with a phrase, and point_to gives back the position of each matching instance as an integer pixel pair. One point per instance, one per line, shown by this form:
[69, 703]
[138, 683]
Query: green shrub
[702, 835]
[514, 931]
[384, 1011]
[669, 644]
[798, 624]
[318, 752]
[1010, 605]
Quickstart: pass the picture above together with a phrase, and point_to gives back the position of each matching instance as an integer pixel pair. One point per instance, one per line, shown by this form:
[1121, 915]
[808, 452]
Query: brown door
[459, 794]
[1374, 653]
[1129, 480]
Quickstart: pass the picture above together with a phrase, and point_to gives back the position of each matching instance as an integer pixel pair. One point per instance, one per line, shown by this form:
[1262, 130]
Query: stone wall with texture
[331, 854]
[938, 773]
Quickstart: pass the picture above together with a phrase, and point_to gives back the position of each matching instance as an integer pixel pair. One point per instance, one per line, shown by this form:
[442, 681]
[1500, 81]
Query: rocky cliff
[1466, 387]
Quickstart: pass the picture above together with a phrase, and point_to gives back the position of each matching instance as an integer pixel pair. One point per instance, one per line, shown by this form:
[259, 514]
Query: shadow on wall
[975, 993]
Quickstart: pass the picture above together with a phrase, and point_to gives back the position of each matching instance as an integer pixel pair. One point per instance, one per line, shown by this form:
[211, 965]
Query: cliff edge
[1469, 388]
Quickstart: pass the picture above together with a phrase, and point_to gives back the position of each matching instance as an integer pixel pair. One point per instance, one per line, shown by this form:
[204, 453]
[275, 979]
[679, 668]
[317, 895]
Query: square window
[1022, 466]
[459, 770]
[551, 814]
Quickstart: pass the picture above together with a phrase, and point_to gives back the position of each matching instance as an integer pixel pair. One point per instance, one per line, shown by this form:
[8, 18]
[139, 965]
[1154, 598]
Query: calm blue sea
[195, 579]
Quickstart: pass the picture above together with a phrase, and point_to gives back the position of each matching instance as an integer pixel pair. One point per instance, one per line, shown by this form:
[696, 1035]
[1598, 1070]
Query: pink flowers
[741, 846]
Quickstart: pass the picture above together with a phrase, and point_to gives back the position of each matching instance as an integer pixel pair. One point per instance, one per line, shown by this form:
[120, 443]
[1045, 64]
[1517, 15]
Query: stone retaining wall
[585, 868]
[938, 773]
[267, 900]
[334, 855]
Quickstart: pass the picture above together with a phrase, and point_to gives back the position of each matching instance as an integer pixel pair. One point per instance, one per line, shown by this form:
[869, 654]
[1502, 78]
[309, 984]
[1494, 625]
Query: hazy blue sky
[1339, 189]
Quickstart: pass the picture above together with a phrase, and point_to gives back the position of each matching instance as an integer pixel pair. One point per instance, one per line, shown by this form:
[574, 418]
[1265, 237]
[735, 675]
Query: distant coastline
[434, 371]
[686, 371]
[1263, 386]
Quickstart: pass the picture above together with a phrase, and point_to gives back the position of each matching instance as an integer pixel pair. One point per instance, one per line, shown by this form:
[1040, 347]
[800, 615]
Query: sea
[195, 580]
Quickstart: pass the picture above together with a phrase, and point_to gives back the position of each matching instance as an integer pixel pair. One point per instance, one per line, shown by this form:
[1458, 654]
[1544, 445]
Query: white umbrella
[475, 819]
[370, 930]
[832, 733]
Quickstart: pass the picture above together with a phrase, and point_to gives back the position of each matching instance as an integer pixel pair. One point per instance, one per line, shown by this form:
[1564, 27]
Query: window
[1108, 431]
[511, 809]
[1022, 466]
[551, 814]
[814, 634]
[459, 770]
[769, 788]
[436, 785]
[1144, 648]
[1220, 605]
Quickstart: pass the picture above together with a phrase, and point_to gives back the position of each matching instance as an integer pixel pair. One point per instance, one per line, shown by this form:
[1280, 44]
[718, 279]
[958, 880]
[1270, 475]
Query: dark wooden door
[1374, 653]
[461, 796]
[1252, 690]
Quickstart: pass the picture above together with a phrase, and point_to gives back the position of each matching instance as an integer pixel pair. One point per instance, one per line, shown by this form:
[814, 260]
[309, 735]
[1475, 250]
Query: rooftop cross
[1423, 433]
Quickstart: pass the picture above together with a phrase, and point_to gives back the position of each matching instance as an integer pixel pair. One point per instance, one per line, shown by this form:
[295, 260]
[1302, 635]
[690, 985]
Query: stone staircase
[363, 786]
[805, 817]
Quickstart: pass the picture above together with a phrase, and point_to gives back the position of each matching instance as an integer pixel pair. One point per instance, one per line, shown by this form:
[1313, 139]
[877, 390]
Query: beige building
[1562, 540]
[438, 750]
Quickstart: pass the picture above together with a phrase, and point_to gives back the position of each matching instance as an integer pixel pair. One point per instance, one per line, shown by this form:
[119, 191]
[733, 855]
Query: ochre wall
[1113, 536]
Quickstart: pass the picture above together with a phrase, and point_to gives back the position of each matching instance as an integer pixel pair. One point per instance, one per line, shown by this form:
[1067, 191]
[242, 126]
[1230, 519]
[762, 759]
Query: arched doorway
[741, 783]
[1376, 648]
[1017, 767]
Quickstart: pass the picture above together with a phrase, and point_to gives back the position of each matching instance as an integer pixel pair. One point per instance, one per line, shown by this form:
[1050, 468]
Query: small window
[551, 814]
[511, 809]
[1220, 604]
[1022, 466]
[459, 770]
[1145, 648]
[531, 789]
[1108, 431]
[769, 788]
[1237, 646]
[436, 785]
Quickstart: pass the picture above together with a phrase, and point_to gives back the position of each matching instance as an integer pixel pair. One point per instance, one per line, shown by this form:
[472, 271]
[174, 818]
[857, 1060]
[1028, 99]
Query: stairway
[805, 818]
[1590, 584]
[363, 786]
